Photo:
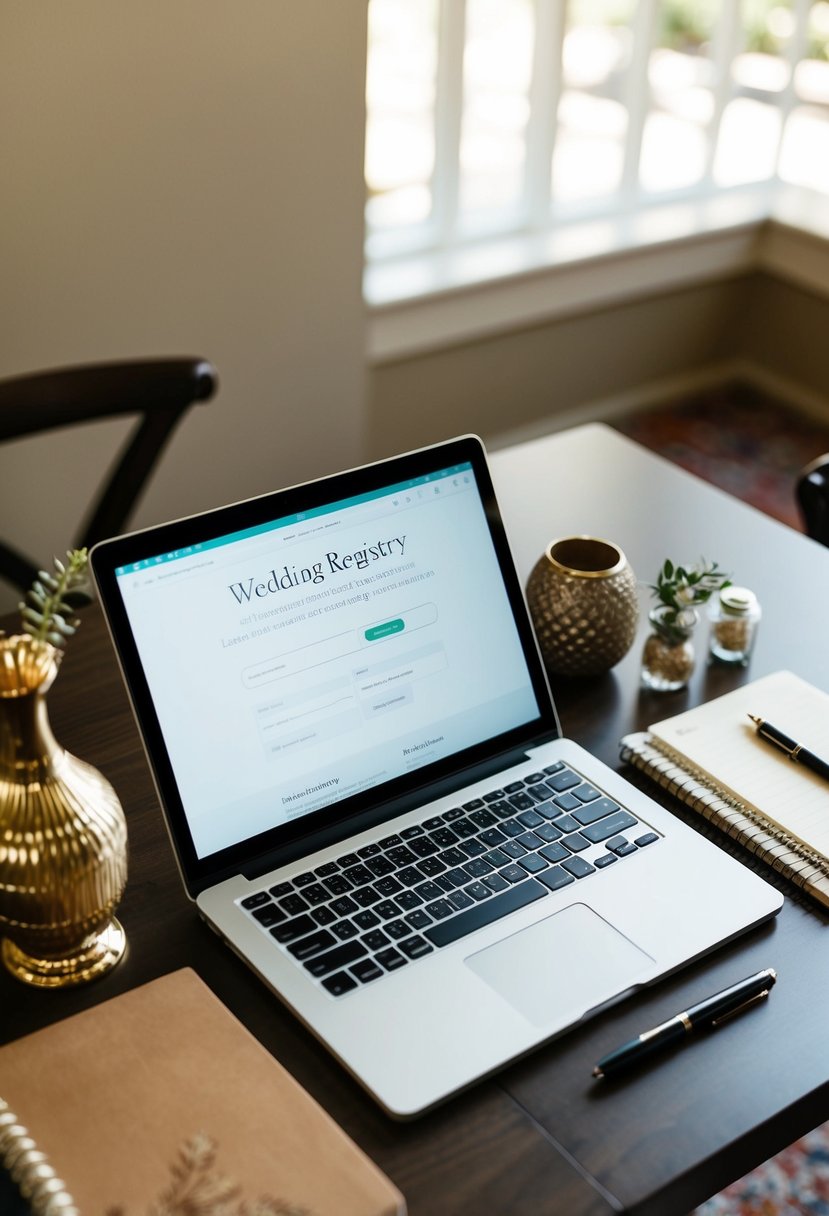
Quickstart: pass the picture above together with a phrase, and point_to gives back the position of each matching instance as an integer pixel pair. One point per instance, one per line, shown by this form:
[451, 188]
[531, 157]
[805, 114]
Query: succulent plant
[46, 612]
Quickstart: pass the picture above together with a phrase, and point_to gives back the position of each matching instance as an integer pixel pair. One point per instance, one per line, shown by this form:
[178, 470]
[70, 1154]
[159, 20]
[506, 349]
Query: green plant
[49, 603]
[679, 589]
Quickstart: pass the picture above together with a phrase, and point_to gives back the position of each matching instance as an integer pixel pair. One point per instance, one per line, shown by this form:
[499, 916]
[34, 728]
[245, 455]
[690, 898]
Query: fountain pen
[707, 1015]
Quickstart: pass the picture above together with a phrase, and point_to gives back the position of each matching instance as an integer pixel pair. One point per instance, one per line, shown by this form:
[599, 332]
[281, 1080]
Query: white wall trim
[456, 297]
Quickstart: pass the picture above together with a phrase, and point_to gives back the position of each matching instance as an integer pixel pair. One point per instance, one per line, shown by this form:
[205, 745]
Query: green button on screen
[385, 630]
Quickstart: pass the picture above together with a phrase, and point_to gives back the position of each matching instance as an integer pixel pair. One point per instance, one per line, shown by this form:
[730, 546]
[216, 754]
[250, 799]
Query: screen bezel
[344, 817]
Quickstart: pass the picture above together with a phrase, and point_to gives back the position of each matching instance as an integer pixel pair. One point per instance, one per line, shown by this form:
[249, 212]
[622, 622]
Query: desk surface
[541, 1136]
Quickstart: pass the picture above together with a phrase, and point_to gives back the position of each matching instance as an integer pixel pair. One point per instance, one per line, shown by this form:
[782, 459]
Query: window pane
[588, 153]
[681, 80]
[400, 99]
[804, 157]
[497, 66]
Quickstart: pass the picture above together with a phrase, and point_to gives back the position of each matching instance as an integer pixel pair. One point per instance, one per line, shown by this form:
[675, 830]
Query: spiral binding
[30, 1170]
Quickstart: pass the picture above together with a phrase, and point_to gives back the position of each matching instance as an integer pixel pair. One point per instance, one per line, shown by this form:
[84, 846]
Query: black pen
[707, 1015]
[795, 752]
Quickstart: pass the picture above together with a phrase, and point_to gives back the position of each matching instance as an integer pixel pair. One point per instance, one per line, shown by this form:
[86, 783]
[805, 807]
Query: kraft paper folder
[113, 1094]
[711, 759]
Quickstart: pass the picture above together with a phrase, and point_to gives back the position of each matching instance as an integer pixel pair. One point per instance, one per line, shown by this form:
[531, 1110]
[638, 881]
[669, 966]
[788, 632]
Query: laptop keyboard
[369, 913]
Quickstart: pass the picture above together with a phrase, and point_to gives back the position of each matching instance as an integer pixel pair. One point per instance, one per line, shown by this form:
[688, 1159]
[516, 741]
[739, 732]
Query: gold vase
[582, 599]
[63, 837]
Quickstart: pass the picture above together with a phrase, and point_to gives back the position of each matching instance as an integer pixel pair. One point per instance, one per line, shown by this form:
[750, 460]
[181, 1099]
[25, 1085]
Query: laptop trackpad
[559, 968]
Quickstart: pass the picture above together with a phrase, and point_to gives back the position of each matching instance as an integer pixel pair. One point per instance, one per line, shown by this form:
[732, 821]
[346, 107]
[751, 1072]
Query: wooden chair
[812, 493]
[159, 391]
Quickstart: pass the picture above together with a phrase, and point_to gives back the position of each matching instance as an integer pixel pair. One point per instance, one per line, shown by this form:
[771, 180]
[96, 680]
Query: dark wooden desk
[540, 1137]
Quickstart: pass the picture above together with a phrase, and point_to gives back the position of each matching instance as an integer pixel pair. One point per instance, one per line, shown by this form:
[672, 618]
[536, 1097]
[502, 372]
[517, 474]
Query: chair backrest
[159, 391]
[812, 493]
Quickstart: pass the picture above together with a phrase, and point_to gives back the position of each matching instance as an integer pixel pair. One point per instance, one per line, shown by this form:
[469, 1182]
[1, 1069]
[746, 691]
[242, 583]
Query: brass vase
[63, 837]
[582, 598]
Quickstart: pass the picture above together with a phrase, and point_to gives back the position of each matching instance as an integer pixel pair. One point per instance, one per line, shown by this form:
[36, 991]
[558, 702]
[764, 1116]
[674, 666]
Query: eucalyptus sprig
[681, 588]
[46, 612]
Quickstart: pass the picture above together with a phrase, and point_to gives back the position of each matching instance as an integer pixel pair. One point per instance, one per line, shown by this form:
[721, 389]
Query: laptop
[365, 784]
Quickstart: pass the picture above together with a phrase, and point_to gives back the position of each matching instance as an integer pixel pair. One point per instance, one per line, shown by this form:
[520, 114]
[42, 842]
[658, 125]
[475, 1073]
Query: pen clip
[732, 1013]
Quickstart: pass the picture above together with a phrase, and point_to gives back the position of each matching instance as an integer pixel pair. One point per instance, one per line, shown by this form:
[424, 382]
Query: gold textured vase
[582, 599]
[63, 837]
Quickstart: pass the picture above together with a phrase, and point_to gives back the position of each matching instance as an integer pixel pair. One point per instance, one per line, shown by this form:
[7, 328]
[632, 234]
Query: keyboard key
[344, 929]
[566, 823]
[522, 801]
[256, 901]
[473, 848]
[337, 884]
[533, 778]
[409, 833]
[485, 913]
[530, 819]
[567, 802]
[302, 880]
[375, 940]
[348, 859]
[431, 866]
[477, 867]
[323, 915]
[586, 793]
[511, 827]
[564, 780]
[391, 959]
[365, 896]
[389, 842]
[293, 904]
[532, 863]
[366, 971]
[423, 846]
[380, 866]
[556, 878]
[435, 822]
[465, 828]
[281, 888]
[621, 847]
[321, 964]
[400, 855]
[576, 842]
[478, 891]
[578, 867]
[455, 813]
[326, 870]
[316, 894]
[418, 919]
[388, 886]
[492, 836]
[647, 839]
[595, 810]
[515, 850]
[440, 909]
[494, 795]
[609, 826]
[475, 805]
[554, 768]
[495, 882]
[548, 833]
[415, 947]
[408, 900]
[359, 875]
[459, 900]
[339, 983]
[453, 857]
[502, 809]
[304, 947]
[529, 840]
[444, 837]
[458, 877]
[409, 875]
[607, 859]
[396, 929]
[366, 920]
[513, 787]
[549, 809]
[539, 792]
[496, 858]
[554, 852]
[269, 915]
[428, 891]
[483, 819]
[513, 873]
[368, 850]
[386, 909]
[344, 906]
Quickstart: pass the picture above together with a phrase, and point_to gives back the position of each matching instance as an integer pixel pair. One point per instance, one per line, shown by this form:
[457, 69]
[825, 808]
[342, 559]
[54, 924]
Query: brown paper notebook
[112, 1094]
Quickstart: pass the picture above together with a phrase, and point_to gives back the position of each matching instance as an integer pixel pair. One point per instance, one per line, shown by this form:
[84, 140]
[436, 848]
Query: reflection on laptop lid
[362, 773]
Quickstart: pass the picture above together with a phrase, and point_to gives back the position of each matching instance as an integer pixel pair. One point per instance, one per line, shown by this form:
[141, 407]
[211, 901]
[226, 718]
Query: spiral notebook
[711, 758]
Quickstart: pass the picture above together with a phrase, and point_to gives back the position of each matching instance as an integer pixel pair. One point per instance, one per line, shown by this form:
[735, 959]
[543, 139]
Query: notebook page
[719, 740]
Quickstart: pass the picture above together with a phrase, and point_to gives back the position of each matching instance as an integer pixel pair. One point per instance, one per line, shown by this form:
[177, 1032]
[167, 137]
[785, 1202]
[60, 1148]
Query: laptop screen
[313, 656]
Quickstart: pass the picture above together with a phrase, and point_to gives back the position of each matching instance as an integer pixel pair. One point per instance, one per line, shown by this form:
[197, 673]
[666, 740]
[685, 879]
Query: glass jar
[734, 615]
[668, 656]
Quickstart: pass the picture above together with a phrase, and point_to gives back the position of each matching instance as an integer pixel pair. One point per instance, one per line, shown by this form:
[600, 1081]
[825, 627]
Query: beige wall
[584, 363]
[176, 177]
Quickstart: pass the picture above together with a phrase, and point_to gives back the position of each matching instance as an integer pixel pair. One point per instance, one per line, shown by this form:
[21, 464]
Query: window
[489, 117]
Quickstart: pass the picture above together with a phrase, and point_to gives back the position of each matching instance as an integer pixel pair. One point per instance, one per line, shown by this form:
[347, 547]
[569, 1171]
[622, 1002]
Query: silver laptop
[364, 780]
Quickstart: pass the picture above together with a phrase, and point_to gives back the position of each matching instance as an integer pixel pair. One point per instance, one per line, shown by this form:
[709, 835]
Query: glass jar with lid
[734, 615]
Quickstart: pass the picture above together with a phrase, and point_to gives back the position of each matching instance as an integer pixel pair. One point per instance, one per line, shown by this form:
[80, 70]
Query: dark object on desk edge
[812, 493]
[159, 390]
[706, 1015]
[795, 751]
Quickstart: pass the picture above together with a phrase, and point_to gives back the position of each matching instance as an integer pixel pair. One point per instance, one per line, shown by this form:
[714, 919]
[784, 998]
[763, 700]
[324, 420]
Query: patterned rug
[739, 440]
[754, 449]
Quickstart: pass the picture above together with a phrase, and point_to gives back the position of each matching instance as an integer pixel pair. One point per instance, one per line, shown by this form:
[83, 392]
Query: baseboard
[669, 389]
